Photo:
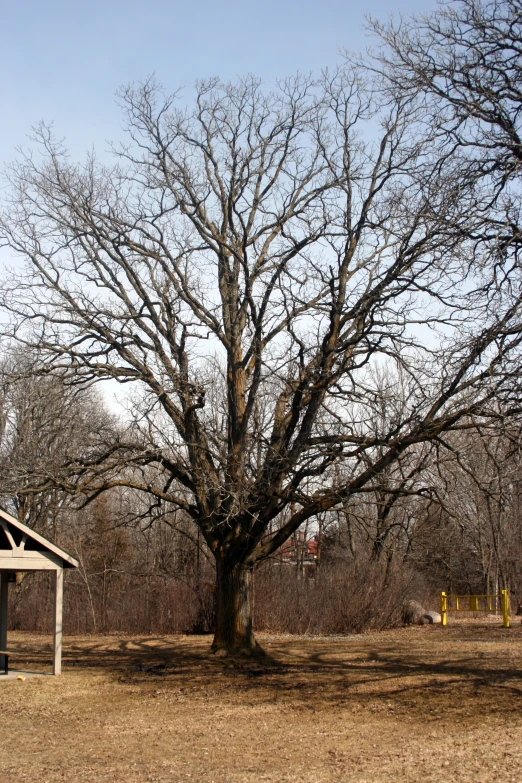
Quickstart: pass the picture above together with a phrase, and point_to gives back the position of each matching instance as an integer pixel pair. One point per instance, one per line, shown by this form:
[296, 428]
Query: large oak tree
[248, 264]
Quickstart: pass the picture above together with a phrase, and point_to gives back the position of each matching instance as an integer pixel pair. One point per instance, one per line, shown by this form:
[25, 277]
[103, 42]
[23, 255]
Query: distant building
[301, 552]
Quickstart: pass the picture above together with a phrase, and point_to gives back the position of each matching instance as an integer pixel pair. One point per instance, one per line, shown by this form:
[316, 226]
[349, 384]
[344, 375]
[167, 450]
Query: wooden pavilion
[21, 549]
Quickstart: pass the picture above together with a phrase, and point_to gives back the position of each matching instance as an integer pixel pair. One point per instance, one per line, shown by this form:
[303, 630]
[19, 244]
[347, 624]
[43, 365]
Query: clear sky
[62, 61]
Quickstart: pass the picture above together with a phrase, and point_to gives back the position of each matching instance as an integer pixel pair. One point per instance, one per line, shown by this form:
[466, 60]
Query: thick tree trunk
[233, 634]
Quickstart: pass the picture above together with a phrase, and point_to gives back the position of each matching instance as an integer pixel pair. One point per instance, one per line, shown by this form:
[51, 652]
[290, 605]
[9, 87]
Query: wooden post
[58, 613]
[4, 594]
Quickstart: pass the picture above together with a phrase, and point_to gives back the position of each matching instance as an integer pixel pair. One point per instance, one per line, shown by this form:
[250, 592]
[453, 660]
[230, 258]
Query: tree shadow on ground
[425, 672]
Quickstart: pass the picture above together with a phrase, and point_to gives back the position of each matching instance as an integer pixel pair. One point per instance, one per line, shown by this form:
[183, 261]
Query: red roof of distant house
[288, 549]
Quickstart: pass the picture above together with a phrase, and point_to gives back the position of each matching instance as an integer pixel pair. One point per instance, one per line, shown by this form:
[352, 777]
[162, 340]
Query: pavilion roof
[16, 530]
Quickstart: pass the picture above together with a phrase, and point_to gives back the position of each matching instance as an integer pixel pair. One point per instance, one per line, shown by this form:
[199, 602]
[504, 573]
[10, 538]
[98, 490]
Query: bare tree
[246, 263]
[476, 509]
[464, 63]
[46, 425]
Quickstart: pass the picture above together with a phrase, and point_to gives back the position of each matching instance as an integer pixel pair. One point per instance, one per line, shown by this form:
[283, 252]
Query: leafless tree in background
[248, 263]
[463, 62]
[471, 535]
[46, 426]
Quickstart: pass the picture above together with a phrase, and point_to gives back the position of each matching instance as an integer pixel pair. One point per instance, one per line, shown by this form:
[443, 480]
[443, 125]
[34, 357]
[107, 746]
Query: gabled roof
[39, 542]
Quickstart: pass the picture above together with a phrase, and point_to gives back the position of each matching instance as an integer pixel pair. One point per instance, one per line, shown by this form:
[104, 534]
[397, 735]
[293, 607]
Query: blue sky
[62, 61]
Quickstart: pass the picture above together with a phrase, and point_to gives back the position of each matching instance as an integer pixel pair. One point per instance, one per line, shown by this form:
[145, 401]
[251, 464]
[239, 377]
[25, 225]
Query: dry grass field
[415, 704]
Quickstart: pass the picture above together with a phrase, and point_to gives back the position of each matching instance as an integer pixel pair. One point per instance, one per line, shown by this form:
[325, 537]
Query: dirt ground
[415, 704]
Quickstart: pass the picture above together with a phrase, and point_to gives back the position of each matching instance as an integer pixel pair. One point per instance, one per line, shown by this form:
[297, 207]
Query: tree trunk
[233, 634]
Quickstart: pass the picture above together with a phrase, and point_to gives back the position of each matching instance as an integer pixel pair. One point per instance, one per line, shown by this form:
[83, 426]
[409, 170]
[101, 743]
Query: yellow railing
[471, 603]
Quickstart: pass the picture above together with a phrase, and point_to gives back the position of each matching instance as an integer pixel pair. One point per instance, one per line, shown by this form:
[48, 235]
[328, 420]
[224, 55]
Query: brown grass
[416, 704]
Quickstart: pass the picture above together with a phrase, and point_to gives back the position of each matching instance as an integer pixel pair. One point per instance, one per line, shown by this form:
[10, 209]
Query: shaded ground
[416, 704]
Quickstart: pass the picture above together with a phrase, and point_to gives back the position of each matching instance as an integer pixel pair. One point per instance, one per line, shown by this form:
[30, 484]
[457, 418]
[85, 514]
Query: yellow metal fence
[472, 603]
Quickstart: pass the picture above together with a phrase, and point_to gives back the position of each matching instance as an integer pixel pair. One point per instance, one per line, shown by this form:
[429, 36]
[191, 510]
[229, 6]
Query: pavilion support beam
[4, 595]
[58, 615]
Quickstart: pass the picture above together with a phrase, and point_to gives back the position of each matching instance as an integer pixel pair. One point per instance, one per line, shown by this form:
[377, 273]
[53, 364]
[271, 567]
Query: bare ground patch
[418, 704]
